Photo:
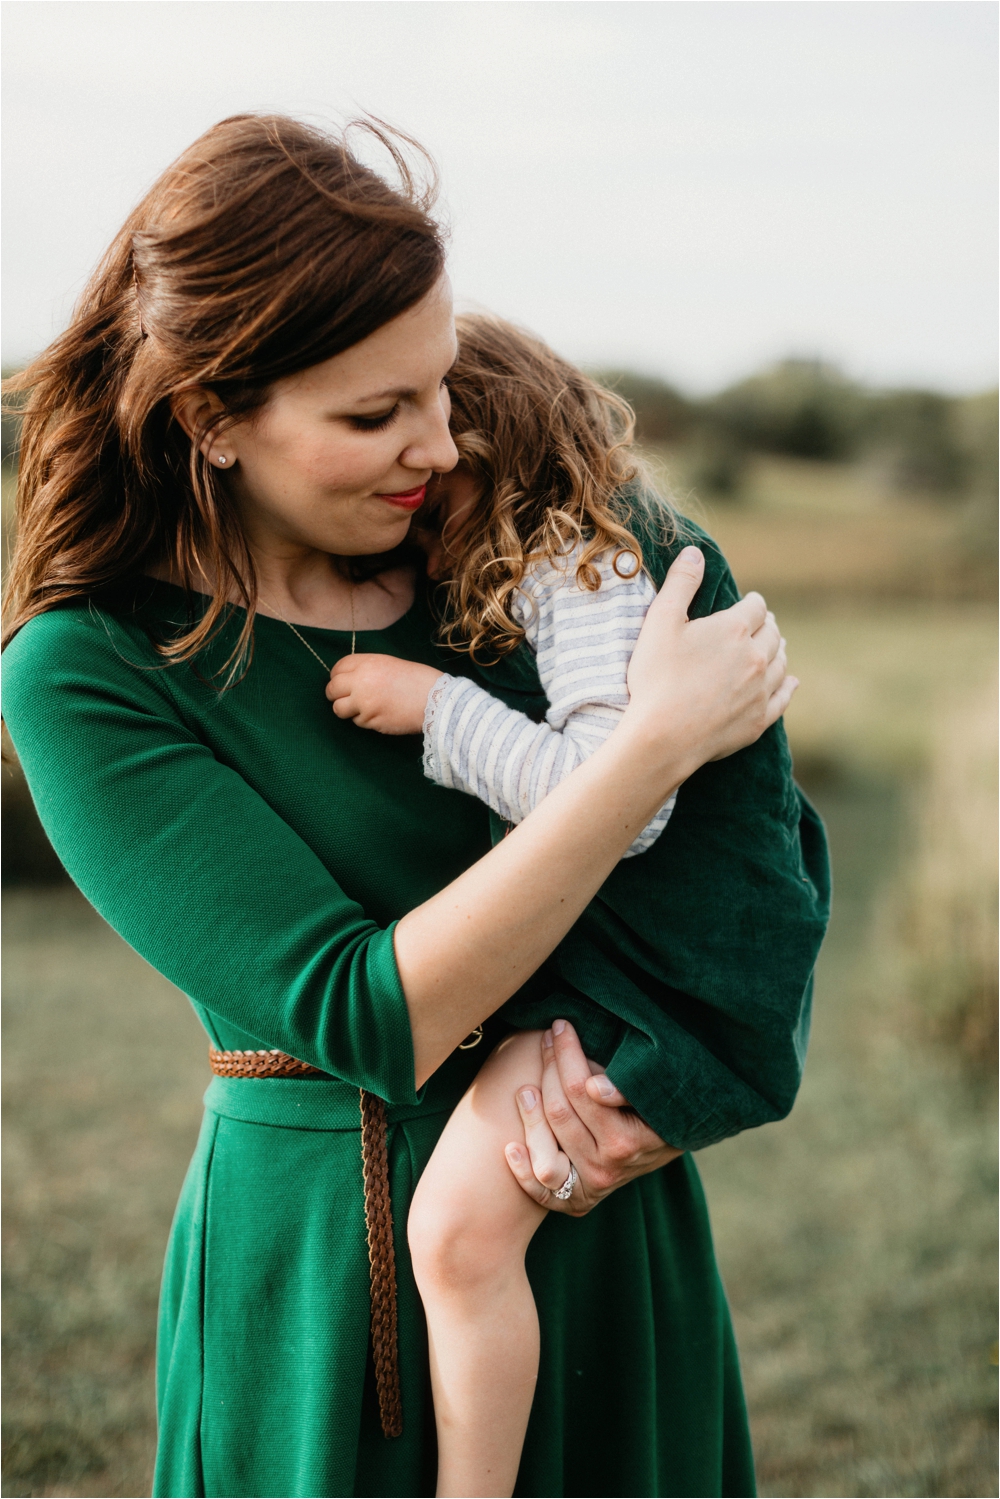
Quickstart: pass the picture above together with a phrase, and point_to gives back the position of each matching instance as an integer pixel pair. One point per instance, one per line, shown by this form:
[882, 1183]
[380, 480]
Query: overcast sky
[691, 188]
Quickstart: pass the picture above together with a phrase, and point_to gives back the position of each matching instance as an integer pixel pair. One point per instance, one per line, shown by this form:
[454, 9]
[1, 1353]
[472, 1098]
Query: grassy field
[820, 531]
[104, 1068]
[857, 1238]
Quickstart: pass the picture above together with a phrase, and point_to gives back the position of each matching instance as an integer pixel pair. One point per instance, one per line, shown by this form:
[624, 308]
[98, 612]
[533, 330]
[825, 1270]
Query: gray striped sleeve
[473, 742]
[583, 642]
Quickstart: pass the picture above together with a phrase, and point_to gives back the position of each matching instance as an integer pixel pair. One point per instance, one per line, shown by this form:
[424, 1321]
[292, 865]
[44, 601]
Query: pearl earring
[221, 458]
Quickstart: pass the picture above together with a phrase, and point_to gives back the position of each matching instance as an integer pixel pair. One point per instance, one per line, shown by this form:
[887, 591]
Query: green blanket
[690, 975]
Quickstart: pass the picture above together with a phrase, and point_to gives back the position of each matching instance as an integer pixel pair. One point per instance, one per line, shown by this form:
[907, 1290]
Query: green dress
[256, 850]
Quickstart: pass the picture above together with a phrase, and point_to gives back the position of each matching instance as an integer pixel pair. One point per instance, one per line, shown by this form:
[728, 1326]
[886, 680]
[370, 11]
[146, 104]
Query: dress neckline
[272, 619]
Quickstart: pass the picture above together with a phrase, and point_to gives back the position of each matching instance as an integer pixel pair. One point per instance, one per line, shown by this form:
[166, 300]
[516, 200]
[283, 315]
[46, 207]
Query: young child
[534, 537]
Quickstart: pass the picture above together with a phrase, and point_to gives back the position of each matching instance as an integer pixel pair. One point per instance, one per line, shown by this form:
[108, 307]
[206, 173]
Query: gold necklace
[299, 636]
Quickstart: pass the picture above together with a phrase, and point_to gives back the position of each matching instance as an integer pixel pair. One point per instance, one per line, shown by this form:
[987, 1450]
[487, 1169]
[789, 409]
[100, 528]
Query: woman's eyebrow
[397, 393]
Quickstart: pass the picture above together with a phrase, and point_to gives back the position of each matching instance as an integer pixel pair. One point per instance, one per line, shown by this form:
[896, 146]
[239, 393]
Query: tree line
[921, 440]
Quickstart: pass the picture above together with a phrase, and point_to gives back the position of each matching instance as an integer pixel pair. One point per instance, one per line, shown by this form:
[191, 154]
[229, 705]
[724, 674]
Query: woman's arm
[190, 864]
[699, 689]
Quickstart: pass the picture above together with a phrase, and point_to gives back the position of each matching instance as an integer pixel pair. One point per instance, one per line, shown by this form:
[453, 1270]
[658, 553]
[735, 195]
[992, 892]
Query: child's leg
[470, 1224]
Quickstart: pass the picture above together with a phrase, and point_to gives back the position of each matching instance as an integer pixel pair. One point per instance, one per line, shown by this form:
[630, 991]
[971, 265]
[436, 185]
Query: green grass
[104, 1068]
[857, 1238]
[813, 532]
[880, 681]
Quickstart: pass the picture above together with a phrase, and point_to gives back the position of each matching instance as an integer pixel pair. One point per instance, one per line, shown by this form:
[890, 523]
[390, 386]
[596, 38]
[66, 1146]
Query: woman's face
[340, 457]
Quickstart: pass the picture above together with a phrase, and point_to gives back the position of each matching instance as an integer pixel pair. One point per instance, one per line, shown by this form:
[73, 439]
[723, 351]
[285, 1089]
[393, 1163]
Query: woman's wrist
[664, 759]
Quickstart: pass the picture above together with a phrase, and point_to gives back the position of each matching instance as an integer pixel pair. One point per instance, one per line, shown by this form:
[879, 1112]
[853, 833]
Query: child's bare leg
[470, 1224]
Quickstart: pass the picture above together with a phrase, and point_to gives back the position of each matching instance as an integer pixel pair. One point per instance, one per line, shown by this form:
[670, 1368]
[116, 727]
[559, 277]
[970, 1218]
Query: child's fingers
[346, 706]
[340, 678]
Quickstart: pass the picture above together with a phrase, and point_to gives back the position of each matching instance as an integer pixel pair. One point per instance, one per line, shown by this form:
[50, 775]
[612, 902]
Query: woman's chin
[369, 544]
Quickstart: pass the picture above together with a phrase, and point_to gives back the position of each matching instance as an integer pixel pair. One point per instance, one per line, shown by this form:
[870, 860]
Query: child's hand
[381, 692]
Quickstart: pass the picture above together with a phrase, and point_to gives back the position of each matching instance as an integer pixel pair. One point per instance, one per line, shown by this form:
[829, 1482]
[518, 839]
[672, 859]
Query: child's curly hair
[551, 451]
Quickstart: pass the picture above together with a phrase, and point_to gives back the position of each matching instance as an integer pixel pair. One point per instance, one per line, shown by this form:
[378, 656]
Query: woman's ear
[193, 408]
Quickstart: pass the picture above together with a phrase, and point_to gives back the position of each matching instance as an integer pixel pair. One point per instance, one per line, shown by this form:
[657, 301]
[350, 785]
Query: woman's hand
[580, 1115]
[718, 682]
[383, 693]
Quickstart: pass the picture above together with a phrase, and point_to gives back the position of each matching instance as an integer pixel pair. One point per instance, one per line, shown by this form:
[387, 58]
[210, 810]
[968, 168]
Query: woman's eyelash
[374, 423]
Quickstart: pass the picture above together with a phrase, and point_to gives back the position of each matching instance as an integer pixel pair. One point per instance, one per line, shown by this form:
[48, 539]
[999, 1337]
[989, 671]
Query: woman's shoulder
[91, 644]
[68, 628]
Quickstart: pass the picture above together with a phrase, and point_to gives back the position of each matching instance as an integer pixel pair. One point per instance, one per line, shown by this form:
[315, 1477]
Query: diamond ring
[566, 1190]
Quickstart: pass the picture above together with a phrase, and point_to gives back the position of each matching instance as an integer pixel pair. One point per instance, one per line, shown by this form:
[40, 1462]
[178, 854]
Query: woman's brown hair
[551, 453]
[267, 247]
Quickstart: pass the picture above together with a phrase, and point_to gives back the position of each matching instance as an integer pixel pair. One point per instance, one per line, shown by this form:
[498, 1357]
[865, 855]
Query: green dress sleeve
[190, 864]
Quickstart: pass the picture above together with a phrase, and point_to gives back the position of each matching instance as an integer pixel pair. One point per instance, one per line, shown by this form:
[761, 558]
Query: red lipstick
[408, 499]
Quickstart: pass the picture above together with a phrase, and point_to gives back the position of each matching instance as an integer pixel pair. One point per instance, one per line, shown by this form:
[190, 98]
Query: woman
[220, 461]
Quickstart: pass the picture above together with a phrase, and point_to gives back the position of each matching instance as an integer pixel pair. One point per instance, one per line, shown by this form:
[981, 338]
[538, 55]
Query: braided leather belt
[258, 1064]
[378, 1216]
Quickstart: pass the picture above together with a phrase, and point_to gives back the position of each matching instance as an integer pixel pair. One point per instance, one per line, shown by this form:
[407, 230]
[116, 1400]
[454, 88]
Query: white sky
[691, 187]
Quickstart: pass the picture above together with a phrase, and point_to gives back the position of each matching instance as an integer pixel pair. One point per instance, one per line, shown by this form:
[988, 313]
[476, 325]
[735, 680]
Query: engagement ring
[566, 1190]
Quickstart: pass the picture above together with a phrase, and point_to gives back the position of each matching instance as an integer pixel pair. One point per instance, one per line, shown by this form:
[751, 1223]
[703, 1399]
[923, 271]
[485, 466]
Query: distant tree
[801, 407]
[662, 414]
[716, 461]
[917, 435]
[805, 408]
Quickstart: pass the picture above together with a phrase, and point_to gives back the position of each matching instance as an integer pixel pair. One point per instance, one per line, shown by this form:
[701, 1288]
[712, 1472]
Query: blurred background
[772, 228]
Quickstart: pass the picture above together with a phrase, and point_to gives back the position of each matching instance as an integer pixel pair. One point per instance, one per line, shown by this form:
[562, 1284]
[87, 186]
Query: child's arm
[475, 743]
[583, 642]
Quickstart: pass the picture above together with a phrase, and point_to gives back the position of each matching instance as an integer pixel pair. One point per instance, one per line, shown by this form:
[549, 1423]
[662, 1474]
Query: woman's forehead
[397, 360]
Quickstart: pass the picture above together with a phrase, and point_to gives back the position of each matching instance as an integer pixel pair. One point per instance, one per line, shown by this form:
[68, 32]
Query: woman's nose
[434, 448]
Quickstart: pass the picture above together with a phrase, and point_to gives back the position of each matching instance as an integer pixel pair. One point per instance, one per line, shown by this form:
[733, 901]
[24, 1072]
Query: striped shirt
[583, 642]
